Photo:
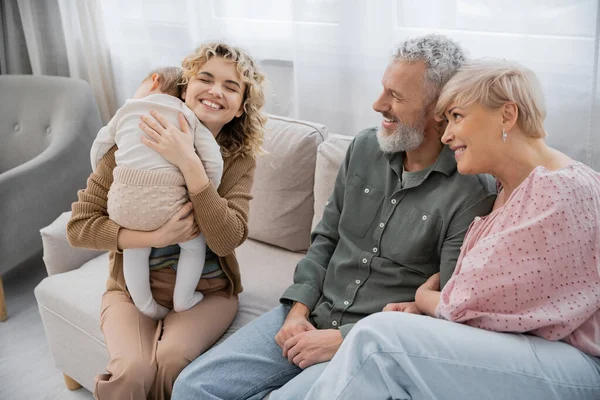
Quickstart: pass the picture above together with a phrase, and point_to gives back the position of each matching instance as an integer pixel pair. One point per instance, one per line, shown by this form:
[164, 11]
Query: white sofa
[289, 197]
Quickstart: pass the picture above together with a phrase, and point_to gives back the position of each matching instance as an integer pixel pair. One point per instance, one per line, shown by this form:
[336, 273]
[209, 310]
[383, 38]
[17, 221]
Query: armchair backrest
[36, 110]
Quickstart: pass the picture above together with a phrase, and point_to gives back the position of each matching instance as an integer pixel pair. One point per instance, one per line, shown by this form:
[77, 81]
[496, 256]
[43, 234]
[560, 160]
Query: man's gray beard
[403, 138]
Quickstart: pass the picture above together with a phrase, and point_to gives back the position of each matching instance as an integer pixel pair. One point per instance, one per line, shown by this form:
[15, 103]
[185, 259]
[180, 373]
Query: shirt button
[364, 260]
[334, 323]
[327, 203]
[346, 302]
[477, 218]
[424, 218]
[367, 190]
[374, 249]
[17, 127]
[394, 201]
[357, 281]
[381, 225]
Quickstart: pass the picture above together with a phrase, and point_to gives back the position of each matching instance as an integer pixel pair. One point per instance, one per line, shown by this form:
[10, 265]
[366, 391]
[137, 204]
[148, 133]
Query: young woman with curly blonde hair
[223, 87]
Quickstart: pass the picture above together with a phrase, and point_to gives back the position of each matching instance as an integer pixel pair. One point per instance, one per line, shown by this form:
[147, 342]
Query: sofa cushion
[59, 256]
[267, 271]
[76, 296]
[282, 209]
[330, 156]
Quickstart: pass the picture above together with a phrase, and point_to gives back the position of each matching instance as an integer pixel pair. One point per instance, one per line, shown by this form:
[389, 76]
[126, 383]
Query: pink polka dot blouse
[533, 264]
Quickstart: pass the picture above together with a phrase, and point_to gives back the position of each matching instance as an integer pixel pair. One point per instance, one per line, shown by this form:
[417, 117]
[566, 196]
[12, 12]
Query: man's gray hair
[442, 56]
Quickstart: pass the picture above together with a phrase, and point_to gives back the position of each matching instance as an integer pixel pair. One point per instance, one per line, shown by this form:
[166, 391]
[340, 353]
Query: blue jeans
[394, 355]
[248, 365]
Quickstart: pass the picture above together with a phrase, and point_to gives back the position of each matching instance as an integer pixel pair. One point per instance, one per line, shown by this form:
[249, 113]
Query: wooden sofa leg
[71, 383]
[3, 315]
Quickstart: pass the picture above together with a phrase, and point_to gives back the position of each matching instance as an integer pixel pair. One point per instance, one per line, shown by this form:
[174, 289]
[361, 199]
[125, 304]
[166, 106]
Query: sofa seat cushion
[76, 295]
[267, 271]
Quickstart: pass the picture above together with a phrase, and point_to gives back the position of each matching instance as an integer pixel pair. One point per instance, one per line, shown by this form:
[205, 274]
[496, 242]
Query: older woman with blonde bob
[223, 88]
[520, 317]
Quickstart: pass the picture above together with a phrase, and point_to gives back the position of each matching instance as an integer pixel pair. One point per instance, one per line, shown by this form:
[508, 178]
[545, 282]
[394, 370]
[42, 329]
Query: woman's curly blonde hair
[244, 134]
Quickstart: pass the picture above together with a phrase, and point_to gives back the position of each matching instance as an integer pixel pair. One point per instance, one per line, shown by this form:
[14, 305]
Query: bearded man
[397, 216]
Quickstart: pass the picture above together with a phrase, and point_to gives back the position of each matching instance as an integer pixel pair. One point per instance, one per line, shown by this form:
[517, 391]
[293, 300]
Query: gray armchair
[47, 126]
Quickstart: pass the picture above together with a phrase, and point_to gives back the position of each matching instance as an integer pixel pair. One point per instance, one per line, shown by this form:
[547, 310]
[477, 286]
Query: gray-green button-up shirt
[378, 242]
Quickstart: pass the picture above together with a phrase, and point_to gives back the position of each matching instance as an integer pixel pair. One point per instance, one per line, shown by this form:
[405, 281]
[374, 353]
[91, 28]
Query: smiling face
[216, 93]
[402, 105]
[474, 133]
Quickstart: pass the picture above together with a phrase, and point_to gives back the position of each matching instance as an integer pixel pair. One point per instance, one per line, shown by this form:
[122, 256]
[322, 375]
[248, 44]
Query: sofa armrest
[59, 255]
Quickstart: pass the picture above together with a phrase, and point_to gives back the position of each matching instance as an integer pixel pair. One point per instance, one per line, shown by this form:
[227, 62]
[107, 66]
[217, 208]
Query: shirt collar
[445, 163]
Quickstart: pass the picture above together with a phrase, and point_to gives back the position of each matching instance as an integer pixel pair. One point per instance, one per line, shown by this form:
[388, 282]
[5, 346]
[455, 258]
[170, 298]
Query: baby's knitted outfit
[147, 190]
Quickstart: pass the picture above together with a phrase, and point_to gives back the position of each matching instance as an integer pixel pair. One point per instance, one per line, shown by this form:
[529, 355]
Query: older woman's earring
[504, 135]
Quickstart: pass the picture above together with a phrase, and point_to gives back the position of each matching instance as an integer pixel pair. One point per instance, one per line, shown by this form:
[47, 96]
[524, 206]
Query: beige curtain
[88, 55]
[58, 37]
[13, 50]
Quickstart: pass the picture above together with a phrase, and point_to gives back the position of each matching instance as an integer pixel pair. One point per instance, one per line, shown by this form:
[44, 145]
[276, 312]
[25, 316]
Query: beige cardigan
[222, 216]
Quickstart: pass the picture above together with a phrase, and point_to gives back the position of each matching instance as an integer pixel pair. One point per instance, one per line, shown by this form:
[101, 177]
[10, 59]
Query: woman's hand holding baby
[175, 145]
[180, 228]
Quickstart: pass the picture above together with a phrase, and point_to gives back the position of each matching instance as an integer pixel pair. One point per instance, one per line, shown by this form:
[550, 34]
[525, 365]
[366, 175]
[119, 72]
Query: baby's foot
[155, 310]
[183, 304]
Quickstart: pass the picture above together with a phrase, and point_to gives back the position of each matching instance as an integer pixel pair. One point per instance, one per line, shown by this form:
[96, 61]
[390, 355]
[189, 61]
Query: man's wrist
[301, 309]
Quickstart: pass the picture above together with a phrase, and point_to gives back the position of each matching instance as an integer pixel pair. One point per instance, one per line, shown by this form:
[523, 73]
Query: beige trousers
[146, 356]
